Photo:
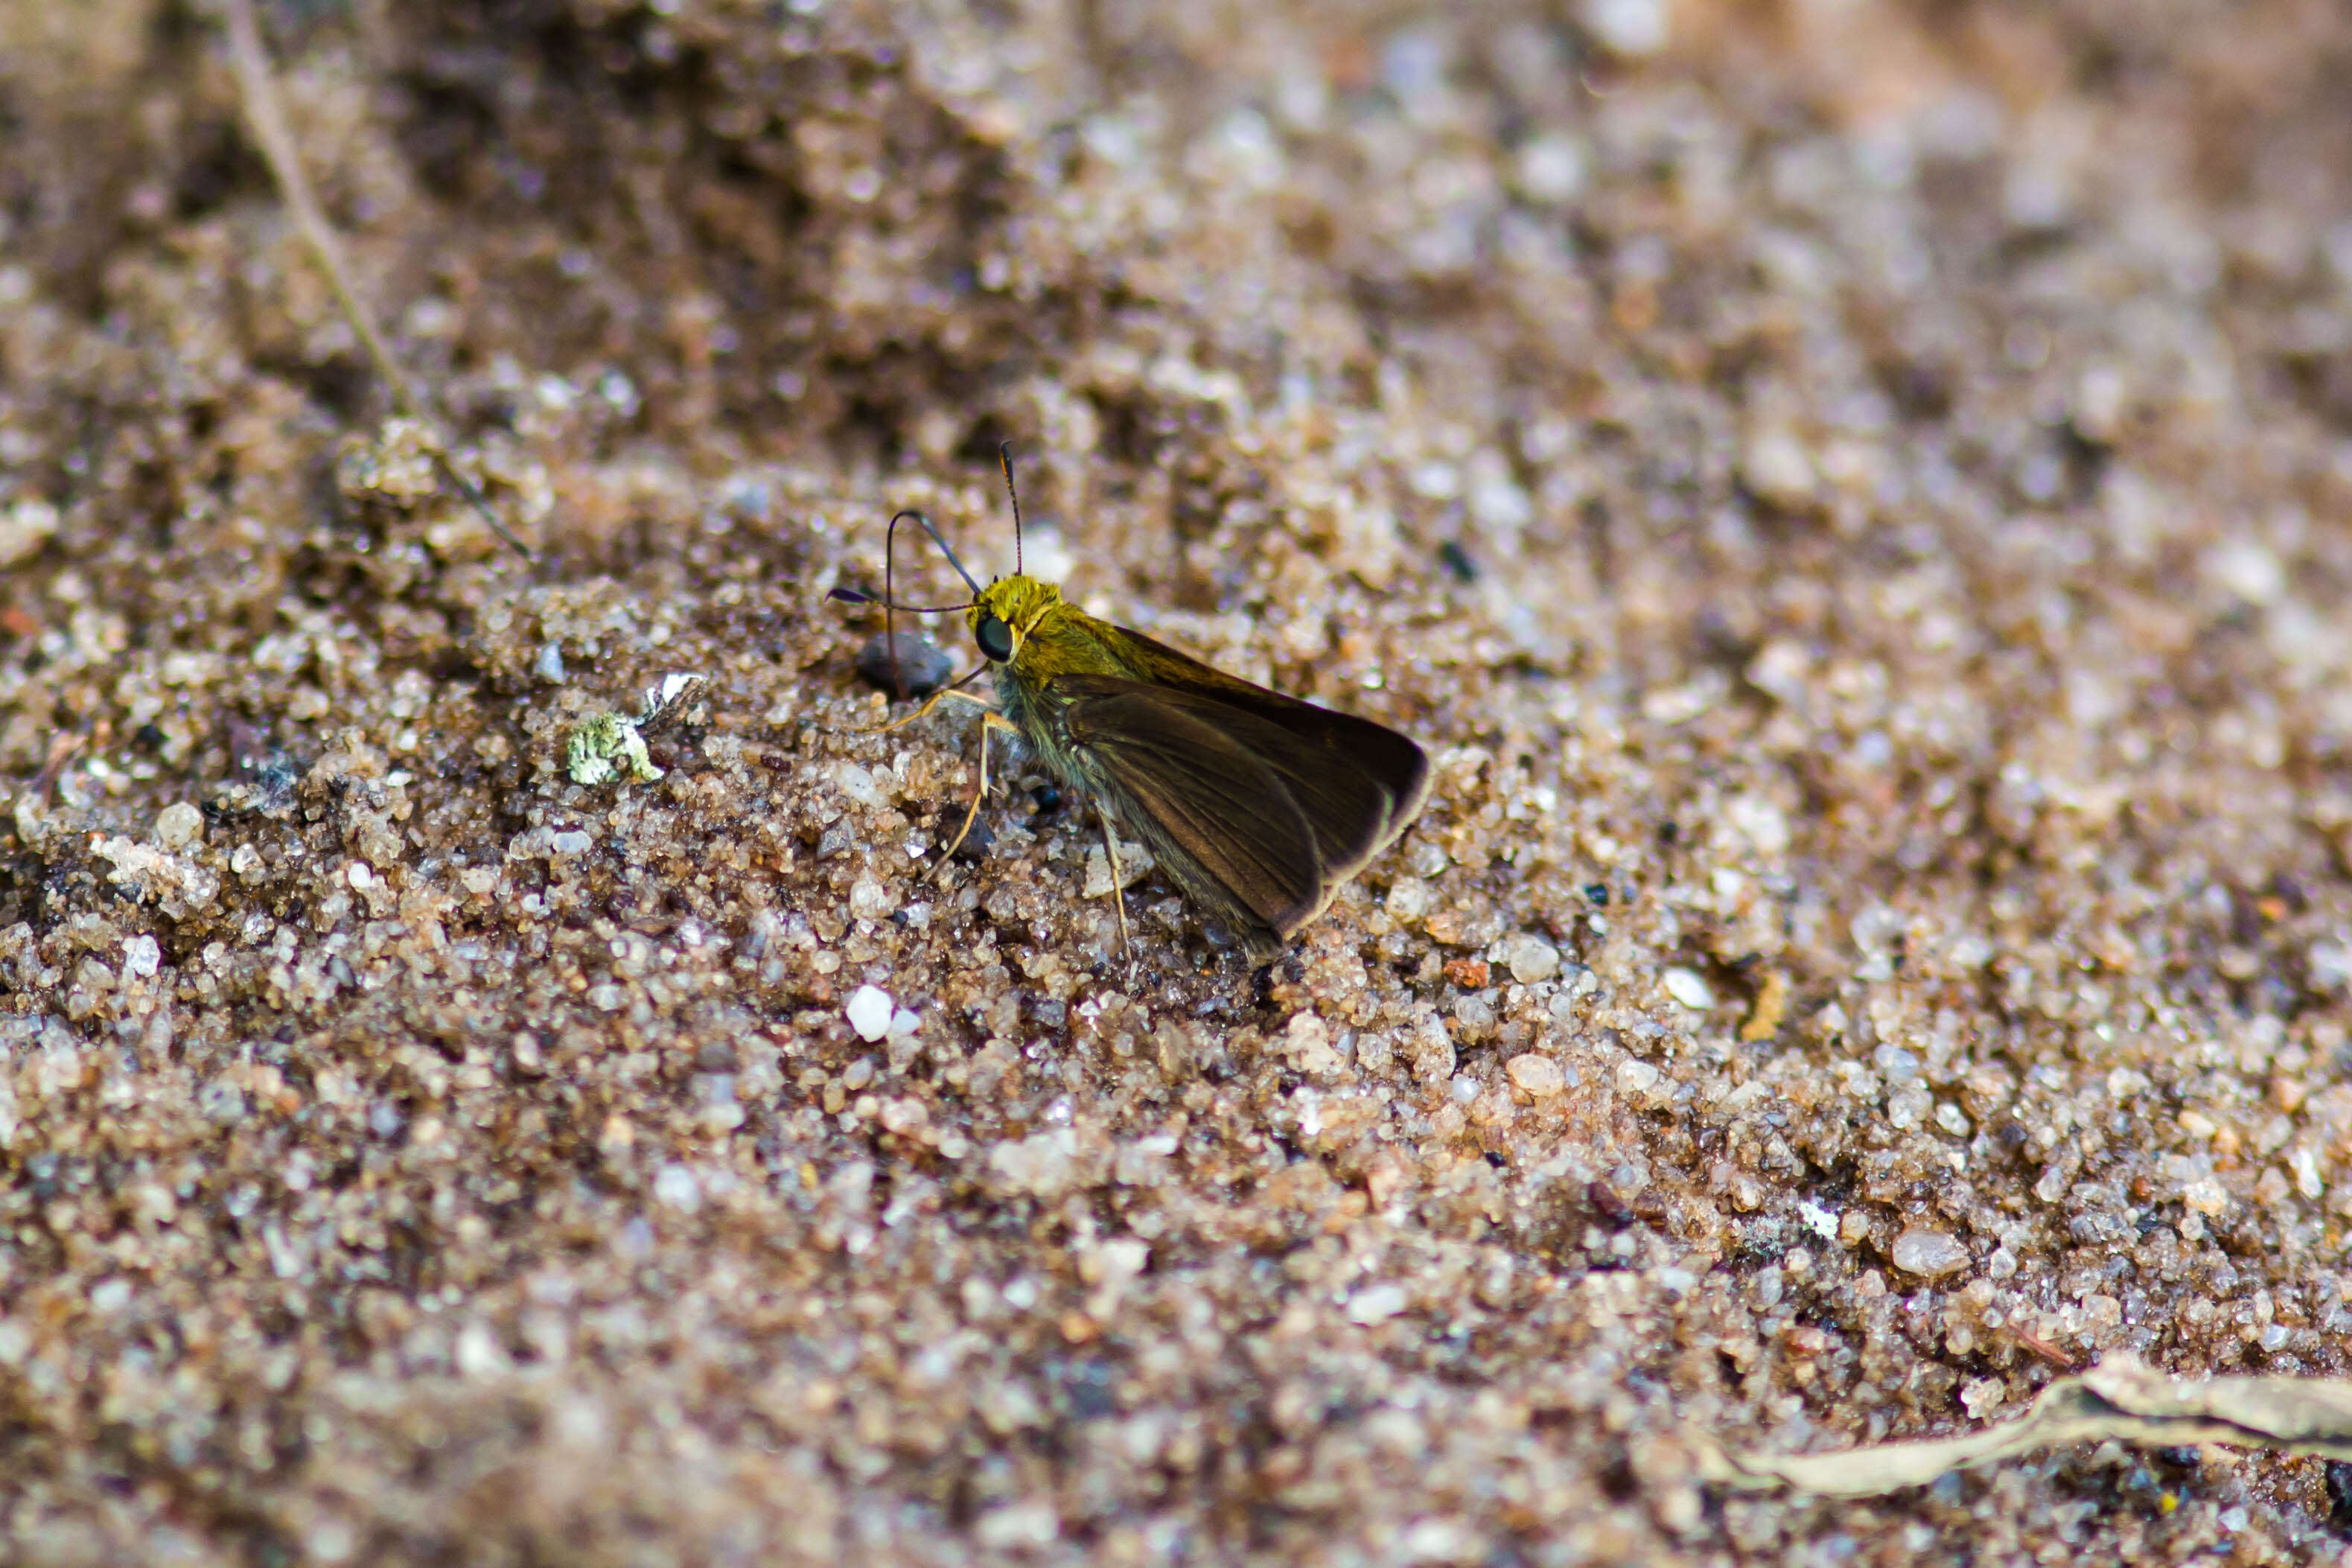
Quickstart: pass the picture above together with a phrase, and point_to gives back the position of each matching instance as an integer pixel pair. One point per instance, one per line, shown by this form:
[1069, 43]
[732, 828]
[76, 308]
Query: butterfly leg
[990, 720]
[937, 698]
[1118, 884]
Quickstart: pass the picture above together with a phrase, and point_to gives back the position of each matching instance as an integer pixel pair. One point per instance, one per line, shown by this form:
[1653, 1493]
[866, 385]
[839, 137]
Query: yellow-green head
[1028, 629]
[1005, 614]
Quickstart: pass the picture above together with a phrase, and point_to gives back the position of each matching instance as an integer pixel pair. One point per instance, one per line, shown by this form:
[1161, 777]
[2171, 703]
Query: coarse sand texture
[1855, 500]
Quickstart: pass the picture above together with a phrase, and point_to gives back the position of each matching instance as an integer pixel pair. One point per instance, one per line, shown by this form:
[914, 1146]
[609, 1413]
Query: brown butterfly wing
[1323, 742]
[1203, 792]
[1277, 801]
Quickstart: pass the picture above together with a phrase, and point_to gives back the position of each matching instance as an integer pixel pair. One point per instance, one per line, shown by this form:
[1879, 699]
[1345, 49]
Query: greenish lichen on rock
[607, 745]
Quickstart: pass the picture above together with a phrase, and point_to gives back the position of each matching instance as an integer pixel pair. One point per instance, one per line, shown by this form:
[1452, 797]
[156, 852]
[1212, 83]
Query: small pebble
[23, 527]
[1307, 1043]
[1020, 1525]
[1631, 29]
[977, 843]
[1688, 987]
[1529, 958]
[922, 664]
[868, 900]
[1777, 469]
[1552, 168]
[142, 956]
[1638, 1081]
[1927, 1253]
[479, 1353]
[676, 1188]
[1134, 865]
[2247, 569]
[2205, 1195]
[860, 786]
[1538, 1075]
[869, 1012]
[179, 824]
[1409, 898]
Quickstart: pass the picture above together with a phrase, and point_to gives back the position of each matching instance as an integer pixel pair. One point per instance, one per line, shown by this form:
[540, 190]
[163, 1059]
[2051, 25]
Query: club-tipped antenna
[1005, 457]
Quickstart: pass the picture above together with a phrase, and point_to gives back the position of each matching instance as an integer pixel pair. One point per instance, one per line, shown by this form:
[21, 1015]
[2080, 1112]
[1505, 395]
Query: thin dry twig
[2121, 1400]
[2052, 1353]
[259, 94]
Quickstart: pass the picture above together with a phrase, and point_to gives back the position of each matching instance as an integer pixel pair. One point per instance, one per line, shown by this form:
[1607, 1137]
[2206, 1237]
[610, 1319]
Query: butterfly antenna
[1005, 457]
[890, 597]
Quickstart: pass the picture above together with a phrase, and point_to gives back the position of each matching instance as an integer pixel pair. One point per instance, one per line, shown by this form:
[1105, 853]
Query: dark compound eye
[995, 639]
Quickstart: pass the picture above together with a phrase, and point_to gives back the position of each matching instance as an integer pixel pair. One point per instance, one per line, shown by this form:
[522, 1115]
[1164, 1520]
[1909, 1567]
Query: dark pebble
[1612, 1210]
[976, 843]
[923, 665]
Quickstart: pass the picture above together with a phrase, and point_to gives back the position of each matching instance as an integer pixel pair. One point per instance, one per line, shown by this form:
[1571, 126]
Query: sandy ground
[1853, 498]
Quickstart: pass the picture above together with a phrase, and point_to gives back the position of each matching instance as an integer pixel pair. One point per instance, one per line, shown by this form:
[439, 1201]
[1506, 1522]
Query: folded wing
[1279, 800]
